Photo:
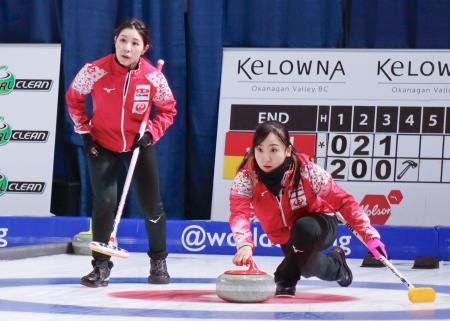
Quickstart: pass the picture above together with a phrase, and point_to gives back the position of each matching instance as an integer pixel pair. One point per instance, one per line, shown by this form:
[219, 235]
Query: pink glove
[376, 247]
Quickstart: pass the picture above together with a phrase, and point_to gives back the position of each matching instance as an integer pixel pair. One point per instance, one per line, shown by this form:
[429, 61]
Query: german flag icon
[238, 143]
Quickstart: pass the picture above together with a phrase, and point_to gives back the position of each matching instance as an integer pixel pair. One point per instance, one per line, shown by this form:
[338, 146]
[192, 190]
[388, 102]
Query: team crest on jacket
[142, 92]
[297, 199]
[139, 107]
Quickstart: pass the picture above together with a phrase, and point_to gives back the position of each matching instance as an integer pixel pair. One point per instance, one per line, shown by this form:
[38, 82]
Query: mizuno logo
[108, 90]
[295, 249]
[155, 220]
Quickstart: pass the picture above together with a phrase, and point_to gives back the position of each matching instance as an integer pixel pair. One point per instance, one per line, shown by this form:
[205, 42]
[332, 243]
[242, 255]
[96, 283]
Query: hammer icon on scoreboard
[409, 164]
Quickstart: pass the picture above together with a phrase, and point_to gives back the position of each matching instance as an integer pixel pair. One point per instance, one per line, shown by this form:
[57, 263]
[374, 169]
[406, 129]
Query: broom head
[110, 249]
[421, 295]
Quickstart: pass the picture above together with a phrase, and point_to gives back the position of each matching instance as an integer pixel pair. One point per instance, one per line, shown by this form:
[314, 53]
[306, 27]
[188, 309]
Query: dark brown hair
[278, 129]
[137, 25]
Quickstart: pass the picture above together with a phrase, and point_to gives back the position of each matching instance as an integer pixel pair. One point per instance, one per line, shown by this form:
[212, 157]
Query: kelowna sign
[396, 68]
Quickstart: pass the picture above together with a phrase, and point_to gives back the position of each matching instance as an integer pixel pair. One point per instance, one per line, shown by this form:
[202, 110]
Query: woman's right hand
[90, 147]
[243, 256]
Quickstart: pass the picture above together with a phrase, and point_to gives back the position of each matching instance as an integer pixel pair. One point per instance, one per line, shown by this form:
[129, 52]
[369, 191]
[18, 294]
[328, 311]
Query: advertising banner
[208, 237]
[377, 120]
[29, 82]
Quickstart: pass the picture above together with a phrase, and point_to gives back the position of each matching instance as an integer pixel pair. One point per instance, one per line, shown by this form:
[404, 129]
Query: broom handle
[127, 184]
[383, 259]
[130, 172]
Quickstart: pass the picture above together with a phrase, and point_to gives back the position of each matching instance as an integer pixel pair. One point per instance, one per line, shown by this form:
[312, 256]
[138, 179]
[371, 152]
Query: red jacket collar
[117, 68]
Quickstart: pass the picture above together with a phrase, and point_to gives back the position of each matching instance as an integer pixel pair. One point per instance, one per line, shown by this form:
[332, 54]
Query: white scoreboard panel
[380, 119]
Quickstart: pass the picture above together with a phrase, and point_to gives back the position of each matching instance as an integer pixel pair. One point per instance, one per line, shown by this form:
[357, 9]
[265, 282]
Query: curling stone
[245, 286]
[80, 243]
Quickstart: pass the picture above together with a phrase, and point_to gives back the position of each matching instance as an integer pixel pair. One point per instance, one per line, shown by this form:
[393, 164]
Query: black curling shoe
[346, 277]
[99, 276]
[158, 272]
[285, 290]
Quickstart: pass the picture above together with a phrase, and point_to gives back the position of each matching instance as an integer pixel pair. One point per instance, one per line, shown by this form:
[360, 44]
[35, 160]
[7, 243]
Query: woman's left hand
[377, 248]
[144, 141]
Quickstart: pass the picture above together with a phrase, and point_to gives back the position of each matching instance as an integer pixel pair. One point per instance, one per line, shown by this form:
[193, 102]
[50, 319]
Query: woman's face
[129, 47]
[271, 153]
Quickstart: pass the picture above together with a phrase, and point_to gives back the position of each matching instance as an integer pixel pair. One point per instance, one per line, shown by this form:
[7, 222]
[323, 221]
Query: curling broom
[415, 295]
[111, 248]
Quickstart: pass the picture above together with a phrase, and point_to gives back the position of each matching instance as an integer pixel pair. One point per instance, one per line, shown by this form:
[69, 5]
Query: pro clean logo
[5, 132]
[3, 184]
[8, 82]
[33, 136]
[7, 186]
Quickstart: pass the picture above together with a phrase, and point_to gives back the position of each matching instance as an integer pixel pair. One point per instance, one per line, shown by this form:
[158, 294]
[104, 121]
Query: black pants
[103, 172]
[304, 256]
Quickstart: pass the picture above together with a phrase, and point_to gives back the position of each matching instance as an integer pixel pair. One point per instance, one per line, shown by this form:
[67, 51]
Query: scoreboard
[377, 120]
[363, 143]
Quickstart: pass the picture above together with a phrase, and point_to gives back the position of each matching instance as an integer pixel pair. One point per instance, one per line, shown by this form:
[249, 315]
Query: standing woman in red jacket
[123, 86]
[294, 200]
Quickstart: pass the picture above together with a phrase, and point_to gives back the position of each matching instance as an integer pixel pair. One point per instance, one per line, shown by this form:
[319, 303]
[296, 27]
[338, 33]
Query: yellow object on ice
[421, 295]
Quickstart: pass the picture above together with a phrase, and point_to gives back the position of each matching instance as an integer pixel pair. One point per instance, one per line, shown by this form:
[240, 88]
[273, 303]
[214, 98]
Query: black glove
[144, 141]
[90, 147]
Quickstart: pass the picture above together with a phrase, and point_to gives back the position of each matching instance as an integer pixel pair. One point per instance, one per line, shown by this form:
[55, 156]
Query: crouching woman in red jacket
[294, 200]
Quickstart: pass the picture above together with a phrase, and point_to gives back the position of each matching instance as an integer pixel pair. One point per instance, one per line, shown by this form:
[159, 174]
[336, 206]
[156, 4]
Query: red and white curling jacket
[120, 100]
[317, 192]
